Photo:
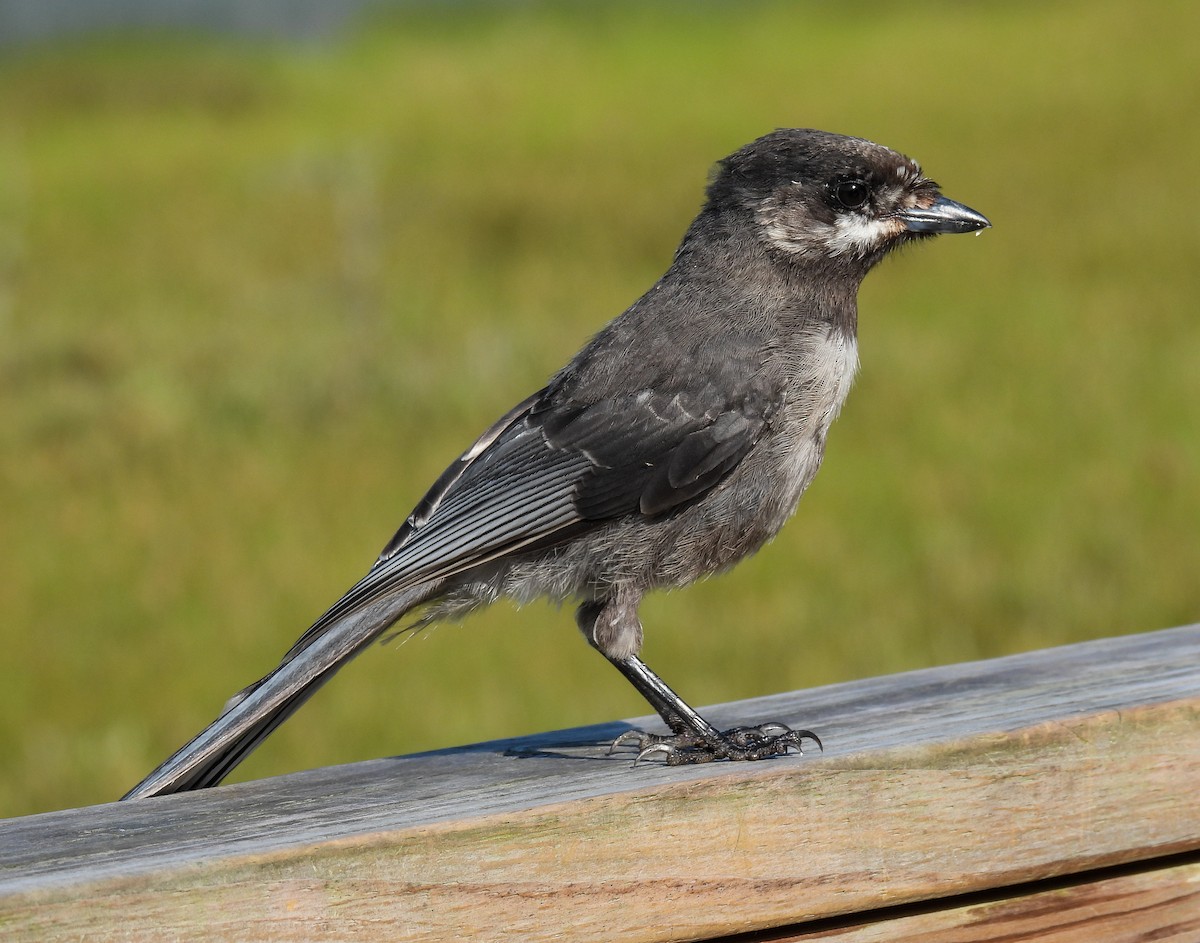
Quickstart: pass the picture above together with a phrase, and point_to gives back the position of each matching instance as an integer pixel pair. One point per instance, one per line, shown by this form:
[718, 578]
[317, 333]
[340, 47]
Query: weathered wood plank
[1161, 904]
[934, 783]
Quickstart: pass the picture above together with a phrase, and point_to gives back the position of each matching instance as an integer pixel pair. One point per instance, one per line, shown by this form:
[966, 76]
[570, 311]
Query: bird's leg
[612, 627]
[694, 739]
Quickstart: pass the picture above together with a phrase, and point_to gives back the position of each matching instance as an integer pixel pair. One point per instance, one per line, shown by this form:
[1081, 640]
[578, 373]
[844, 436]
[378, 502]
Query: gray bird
[677, 442]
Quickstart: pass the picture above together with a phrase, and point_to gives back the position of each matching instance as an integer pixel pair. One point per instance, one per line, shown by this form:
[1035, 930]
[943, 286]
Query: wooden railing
[1050, 795]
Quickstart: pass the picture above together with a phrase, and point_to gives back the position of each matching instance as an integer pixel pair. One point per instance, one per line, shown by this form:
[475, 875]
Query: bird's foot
[737, 743]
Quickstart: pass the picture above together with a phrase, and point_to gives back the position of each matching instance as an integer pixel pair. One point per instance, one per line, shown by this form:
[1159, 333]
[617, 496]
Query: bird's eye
[852, 193]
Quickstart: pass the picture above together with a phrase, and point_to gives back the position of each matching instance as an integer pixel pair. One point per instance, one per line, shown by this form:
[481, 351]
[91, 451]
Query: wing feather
[553, 465]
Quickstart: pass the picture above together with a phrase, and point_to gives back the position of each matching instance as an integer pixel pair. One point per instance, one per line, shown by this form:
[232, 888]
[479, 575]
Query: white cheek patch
[858, 235]
[849, 234]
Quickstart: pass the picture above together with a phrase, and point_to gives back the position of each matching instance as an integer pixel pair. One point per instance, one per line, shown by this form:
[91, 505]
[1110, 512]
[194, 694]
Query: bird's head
[827, 199]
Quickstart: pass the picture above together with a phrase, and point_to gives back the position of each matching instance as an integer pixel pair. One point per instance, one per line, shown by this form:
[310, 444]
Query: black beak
[943, 216]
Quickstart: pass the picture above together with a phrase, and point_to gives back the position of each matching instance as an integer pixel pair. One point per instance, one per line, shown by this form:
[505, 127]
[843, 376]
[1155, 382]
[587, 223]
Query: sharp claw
[665, 748]
[629, 736]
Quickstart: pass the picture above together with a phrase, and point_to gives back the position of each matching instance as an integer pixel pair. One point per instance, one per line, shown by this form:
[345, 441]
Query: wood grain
[935, 783]
[1160, 904]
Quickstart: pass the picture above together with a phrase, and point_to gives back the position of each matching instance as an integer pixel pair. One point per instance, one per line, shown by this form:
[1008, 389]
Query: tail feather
[254, 713]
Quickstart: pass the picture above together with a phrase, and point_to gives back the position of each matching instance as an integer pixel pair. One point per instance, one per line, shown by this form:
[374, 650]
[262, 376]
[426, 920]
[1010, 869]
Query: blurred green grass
[253, 298]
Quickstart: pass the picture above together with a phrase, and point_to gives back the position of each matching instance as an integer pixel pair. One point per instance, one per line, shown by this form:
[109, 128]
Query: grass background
[254, 298]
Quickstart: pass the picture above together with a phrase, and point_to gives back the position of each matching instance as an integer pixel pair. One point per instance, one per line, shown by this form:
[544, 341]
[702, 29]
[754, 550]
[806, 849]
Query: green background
[253, 298]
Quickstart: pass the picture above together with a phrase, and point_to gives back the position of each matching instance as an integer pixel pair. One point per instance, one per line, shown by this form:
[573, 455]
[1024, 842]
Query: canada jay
[674, 444]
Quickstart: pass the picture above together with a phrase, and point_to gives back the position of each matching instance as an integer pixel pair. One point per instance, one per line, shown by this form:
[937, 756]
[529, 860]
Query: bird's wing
[653, 450]
[550, 469]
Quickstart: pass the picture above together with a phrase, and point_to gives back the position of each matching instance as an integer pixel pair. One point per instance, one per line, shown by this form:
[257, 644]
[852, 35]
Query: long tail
[253, 713]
